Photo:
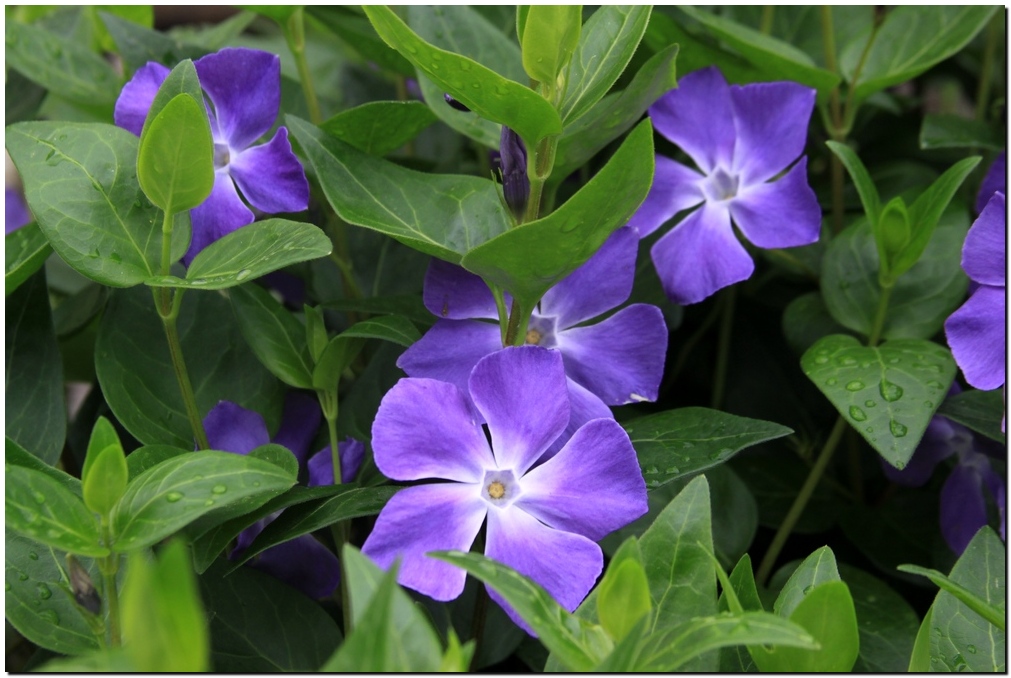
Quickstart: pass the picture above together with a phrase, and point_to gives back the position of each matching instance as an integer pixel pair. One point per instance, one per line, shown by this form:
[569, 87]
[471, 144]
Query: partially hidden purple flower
[303, 562]
[740, 137]
[513, 163]
[977, 331]
[543, 520]
[243, 88]
[616, 361]
[16, 209]
[963, 500]
[995, 180]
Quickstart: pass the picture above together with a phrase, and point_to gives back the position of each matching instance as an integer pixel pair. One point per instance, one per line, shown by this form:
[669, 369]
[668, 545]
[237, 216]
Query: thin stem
[986, 70]
[109, 566]
[800, 503]
[519, 319]
[477, 624]
[294, 33]
[880, 316]
[331, 427]
[723, 347]
[850, 110]
[167, 224]
[503, 313]
[534, 202]
[168, 309]
[768, 12]
[835, 128]
[341, 531]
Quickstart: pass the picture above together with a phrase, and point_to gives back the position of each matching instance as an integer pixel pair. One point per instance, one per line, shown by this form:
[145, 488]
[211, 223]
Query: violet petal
[984, 254]
[217, 216]
[304, 564]
[698, 116]
[137, 96]
[351, 453]
[299, 423]
[976, 333]
[454, 293]
[784, 213]
[935, 447]
[995, 180]
[233, 428]
[270, 176]
[963, 510]
[675, 187]
[17, 213]
[244, 85]
[584, 406]
[771, 121]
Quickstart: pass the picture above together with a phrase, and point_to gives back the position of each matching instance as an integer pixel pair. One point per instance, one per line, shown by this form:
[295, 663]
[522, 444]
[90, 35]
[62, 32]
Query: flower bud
[453, 103]
[515, 182]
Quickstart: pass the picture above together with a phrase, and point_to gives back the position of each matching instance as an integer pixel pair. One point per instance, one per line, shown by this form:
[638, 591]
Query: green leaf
[134, 367]
[66, 68]
[99, 661]
[961, 639]
[921, 299]
[818, 568]
[182, 79]
[38, 599]
[250, 252]
[550, 35]
[888, 623]
[258, 624]
[380, 127]
[529, 259]
[981, 411]
[994, 615]
[164, 627]
[395, 328]
[947, 130]
[142, 15]
[575, 642]
[148, 456]
[677, 443]
[81, 184]
[606, 45]
[895, 58]
[103, 435]
[742, 582]
[25, 250]
[138, 45]
[623, 598]
[106, 482]
[176, 492]
[356, 31]
[906, 528]
[35, 413]
[861, 179]
[175, 162]
[919, 660]
[42, 509]
[698, 51]
[335, 358]
[16, 455]
[442, 215]
[316, 336]
[494, 97]
[776, 59]
[806, 320]
[615, 114]
[411, 306]
[275, 335]
[888, 393]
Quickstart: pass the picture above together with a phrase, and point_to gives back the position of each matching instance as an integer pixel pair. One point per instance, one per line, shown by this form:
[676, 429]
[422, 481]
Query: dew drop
[928, 404]
[971, 649]
[672, 470]
[39, 497]
[821, 360]
[893, 361]
[22, 576]
[32, 555]
[889, 391]
[854, 386]
[870, 403]
[243, 274]
[832, 382]
[198, 281]
[50, 616]
[219, 489]
[114, 256]
[173, 497]
[256, 483]
[29, 516]
[209, 502]
[44, 592]
[808, 589]
[857, 414]
[652, 470]
[869, 429]
[898, 430]
[935, 384]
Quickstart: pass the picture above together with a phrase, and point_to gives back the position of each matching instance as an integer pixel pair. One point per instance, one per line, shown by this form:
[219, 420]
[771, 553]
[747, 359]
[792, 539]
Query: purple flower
[513, 163]
[17, 213]
[740, 138]
[963, 503]
[995, 180]
[303, 562]
[243, 88]
[618, 360]
[543, 520]
[976, 332]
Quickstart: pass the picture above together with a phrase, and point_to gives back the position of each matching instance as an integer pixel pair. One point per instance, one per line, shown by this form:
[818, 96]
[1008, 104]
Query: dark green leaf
[356, 31]
[991, 613]
[147, 456]
[380, 127]
[697, 53]
[175, 162]
[806, 320]
[742, 580]
[135, 370]
[42, 509]
[138, 45]
[22, 98]
[81, 184]
[550, 35]
[25, 250]
[947, 130]
[861, 179]
[395, 328]
[818, 568]
[919, 660]
[888, 623]
[410, 306]
[275, 335]
[774, 479]
[982, 411]
[677, 443]
[888, 393]
[176, 492]
[18, 456]
[336, 357]
[100, 661]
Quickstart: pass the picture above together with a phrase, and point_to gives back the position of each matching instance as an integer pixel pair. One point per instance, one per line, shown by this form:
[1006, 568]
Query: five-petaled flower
[544, 517]
[616, 361]
[243, 88]
[740, 138]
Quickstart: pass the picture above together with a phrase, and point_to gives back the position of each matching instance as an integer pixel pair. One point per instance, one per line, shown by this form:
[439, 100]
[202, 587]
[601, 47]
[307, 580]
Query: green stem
[768, 12]
[880, 316]
[167, 224]
[341, 531]
[163, 298]
[850, 110]
[294, 33]
[723, 347]
[800, 503]
[835, 128]
[503, 313]
[109, 566]
[986, 70]
[519, 319]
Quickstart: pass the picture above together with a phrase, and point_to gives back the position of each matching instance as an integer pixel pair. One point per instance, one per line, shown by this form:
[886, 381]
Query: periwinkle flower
[616, 361]
[16, 212]
[741, 138]
[243, 87]
[977, 331]
[995, 180]
[303, 562]
[543, 518]
[513, 163]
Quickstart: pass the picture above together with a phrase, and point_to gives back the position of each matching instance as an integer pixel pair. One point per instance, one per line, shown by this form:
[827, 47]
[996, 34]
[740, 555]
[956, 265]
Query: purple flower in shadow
[740, 137]
[616, 361]
[243, 88]
[995, 180]
[303, 562]
[977, 331]
[543, 519]
[16, 210]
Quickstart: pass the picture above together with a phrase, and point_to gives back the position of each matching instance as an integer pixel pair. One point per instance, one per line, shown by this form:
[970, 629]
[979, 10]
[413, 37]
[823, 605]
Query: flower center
[496, 490]
[720, 186]
[541, 331]
[533, 337]
[500, 488]
[221, 155]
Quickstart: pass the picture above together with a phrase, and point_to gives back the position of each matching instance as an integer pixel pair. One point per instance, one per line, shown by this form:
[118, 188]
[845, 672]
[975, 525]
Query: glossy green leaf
[676, 443]
[164, 627]
[861, 179]
[137, 45]
[316, 336]
[818, 568]
[338, 355]
[99, 661]
[615, 114]
[25, 250]
[106, 482]
[698, 50]
[245, 610]
[922, 298]
[993, 614]
[42, 509]
[623, 598]
[961, 640]
[528, 260]
[355, 30]
[148, 456]
[494, 97]
[250, 252]
[176, 492]
[175, 162]
[81, 184]
[888, 624]
[442, 215]
[182, 79]
[66, 68]
[919, 660]
[275, 335]
[38, 601]
[895, 57]
[103, 435]
[16, 455]
[380, 127]
[777, 59]
[395, 328]
[981, 411]
[606, 45]
[947, 130]
[742, 581]
[550, 35]
[891, 234]
[135, 369]
[888, 393]
[35, 413]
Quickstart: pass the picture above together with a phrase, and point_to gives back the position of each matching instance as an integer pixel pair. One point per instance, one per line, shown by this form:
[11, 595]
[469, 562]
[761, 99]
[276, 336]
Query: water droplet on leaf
[219, 489]
[173, 497]
[854, 386]
[243, 274]
[857, 414]
[898, 430]
[889, 391]
[44, 592]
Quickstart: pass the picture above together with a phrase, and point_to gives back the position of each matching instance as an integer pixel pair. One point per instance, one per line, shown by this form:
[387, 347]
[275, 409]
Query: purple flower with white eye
[995, 180]
[740, 137]
[963, 500]
[16, 209]
[616, 361]
[977, 331]
[243, 88]
[543, 520]
[303, 562]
